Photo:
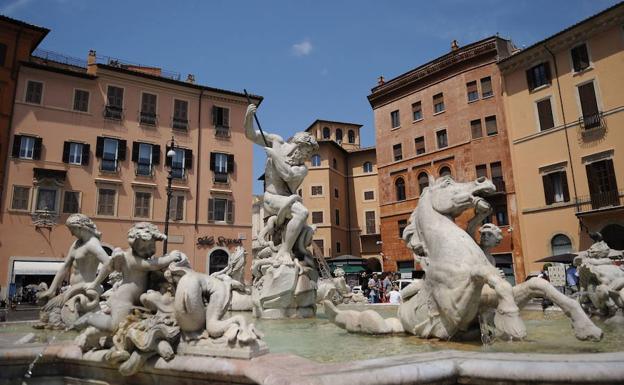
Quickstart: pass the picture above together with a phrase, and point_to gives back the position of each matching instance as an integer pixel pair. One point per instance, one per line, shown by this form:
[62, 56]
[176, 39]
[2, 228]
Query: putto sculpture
[83, 258]
[337, 290]
[284, 271]
[460, 282]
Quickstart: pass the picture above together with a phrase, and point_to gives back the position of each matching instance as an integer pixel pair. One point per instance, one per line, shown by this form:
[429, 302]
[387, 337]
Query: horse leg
[368, 321]
[584, 329]
[507, 318]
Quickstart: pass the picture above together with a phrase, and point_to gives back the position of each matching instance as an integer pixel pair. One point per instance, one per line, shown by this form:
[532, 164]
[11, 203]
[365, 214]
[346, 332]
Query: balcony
[179, 124]
[113, 112]
[144, 169]
[499, 183]
[222, 132]
[600, 201]
[592, 126]
[147, 118]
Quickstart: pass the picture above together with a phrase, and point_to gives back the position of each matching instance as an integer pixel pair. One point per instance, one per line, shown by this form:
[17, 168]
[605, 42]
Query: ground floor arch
[217, 260]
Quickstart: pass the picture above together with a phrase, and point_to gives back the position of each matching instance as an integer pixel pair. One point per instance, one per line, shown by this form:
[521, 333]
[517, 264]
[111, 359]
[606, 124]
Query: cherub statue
[83, 258]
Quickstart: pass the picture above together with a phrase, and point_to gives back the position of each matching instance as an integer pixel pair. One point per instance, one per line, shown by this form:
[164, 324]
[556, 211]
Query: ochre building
[564, 104]
[445, 117]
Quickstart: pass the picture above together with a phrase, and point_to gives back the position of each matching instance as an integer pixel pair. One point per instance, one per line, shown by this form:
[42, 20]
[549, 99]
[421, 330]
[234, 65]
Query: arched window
[316, 160]
[560, 244]
[423, 181]
[399, 186]
[218, 260]
[351, 136]
[338, 135]
[326, 133]
[445, 171]
[367, 167]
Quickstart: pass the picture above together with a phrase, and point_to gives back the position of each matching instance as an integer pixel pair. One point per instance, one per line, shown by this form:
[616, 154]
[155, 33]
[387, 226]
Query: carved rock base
[298, 312]
[207, 348]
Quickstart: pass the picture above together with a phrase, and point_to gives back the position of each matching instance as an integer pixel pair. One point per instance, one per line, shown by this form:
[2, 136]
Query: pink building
[92, 138]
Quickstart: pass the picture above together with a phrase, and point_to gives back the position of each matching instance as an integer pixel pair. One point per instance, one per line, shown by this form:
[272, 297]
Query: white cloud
[13, 6]
[302, 49]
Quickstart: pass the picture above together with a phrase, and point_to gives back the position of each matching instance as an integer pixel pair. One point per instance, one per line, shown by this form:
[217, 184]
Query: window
[336, 193]
[538, 76]
[486, 87]
[81, 100]
[142, 203]
[145, 155]
[74, 152]
[111, 151]
[338, 247]
[338, 135]
[222, 165]
[46, 199]
[496, 169]
[176, 208]
[335, 163]
[106, 201]
[317, 217]
[394, 118]
[180, 114]
[114, 104]
[397, 152]
[602, 183]
[337, 217]
[500, 210]
[25, 147]
[560, 244]
[367, 167]
[545, 115]
[181, 161]
[34, 92]
[417, 111]
[351, 136]
[148, 109]
[316, 190]
[326, 133]
[472, 91]
[320, 244]
[21, 197]
[490, 125]
[399, 186]
[419, 143]
[423, 181]
[556, 187]
[369, 195]
[71, 202]
[580, 57]
[442, 139]
[589, 106]
[438, 103]
[445, 171]
[221, 121]
[481, 170]
[475, 129]
[220, 210]
[316, 160]
[3, 49]
[371, 226]
[402, 225]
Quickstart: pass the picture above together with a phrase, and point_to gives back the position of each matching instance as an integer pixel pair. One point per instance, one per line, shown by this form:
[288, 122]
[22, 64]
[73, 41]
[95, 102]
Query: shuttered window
[419, 143]
[476, 129]
[545, 115]
[394, 117]
[317, 190]
[106, 201]
[397, 152]
[34, 91]
[486, 87]
[220, 210]
[142, 203]
[317, 217]
[538, 76]
[20, 198]
[580, 57]
[589, 105]
[176, 209]
[556, 187]
[442, 138]
[490, 125]
[371, 226]
[81, 100]
[417, 111]
[472, 91]
[438, 103]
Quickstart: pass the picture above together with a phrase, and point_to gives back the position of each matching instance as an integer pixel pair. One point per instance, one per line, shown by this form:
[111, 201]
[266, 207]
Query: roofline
[59, 70]
[179, 82]
[44, 31]
[525, 51]
[363, 149]
[332, 122]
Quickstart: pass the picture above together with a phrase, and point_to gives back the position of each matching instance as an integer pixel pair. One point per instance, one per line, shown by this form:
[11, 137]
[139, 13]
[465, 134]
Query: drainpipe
[14, 76]
[565, 130]
[199, 135]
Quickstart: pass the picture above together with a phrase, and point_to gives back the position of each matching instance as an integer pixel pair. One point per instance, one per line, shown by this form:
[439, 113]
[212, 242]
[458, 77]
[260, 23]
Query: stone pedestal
[208, 348]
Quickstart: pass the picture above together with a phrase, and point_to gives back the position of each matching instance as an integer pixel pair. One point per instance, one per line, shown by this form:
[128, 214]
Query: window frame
[364, 167]
[373, 191]
[436, 104]
[312, 220]
[116, 160]
[114, 203]
[313, 158]
[88, 100]
[149, 206]
[57, 198]
[438, 138]
[403, 194]
[32, 147]
[548, 74]
[322, 191]
[396, 157]
[173, 115]
[40, 103]
[590, 63]
[80, 146]
[419, 110]
[395, 117]
[173, 210]
[485, 121]
[107, 105]
[366, 223]
[141, 112]
[78, 201]
[468, 92]
[491, 94]
[552, 111]
[28, 198]
[424, 145]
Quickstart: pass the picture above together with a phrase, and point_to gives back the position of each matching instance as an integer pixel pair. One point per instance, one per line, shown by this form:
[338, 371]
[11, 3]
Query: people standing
[373, 296]
[394, 296]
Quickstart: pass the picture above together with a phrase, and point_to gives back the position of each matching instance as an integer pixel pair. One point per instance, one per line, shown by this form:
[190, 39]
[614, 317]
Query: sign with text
[210, 240]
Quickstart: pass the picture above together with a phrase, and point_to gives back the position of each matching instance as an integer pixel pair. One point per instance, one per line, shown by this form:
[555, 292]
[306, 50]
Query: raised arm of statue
[255, 135]
[152, 264]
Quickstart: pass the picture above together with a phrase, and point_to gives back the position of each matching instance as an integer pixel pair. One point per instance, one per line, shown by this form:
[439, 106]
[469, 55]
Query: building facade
[565, 114]
[340, 192]
[445, 118]
[94, 139]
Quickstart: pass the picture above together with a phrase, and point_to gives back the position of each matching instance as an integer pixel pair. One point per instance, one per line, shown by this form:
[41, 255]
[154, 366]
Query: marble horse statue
[460, 282]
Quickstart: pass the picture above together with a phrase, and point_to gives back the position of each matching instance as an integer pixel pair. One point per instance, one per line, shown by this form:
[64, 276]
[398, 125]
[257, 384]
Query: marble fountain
[161, 322]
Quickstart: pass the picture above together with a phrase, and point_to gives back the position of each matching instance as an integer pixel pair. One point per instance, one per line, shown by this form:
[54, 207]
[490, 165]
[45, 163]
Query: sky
[309, 59]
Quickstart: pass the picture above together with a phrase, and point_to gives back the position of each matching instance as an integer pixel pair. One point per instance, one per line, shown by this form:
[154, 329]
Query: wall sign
[219, 241]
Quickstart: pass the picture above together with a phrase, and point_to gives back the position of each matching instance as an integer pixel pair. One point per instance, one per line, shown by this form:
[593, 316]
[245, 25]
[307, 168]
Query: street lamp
[170, 154]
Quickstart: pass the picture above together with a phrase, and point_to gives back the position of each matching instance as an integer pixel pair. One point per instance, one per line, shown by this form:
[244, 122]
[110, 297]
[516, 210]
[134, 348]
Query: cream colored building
[564, 103]
[341, 194]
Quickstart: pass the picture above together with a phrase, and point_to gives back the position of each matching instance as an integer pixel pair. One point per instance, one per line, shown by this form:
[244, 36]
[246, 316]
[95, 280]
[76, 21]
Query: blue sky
[309, 59]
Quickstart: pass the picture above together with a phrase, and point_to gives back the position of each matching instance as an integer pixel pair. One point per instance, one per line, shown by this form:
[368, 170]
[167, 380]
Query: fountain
[163, 322]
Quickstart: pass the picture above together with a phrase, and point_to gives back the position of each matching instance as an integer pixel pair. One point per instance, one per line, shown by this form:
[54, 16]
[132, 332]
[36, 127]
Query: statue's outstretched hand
[251, 110]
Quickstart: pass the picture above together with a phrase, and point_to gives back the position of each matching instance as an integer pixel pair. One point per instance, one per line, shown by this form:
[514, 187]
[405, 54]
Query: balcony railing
[592, 122]
[499, 183]
[607, 199]
[147, 118]
[179, 124]
[113, 112]
[222, 132]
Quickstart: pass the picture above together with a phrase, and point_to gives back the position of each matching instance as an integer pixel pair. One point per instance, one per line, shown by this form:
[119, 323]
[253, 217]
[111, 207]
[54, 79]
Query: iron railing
[593, 121]
[179, 124]
[113, 112]
[147, 118]
[600, 200]
[222, 132]
[59, 58]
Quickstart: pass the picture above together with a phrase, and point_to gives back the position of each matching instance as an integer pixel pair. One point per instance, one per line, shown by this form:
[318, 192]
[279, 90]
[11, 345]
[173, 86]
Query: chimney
[190, 78]
[454, 45]
[380, 81]
[92, 63]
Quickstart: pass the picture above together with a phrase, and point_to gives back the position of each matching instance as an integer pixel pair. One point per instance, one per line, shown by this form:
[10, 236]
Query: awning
[350, 269]
[560, 258]
[36, 267]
